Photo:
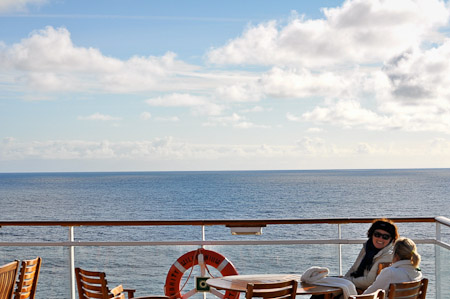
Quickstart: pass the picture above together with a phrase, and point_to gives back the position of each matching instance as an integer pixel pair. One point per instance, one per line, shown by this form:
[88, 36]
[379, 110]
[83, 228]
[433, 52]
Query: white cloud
[408, 79]
[363, 148]
[315, 146]
[8, 140]
[249, 125]
[168, 152]
[199, 104]
[224, 120]
[411, 91]
[48, 61]
[99, 116]
[314, 130]
[52, 50]
[57, 150]
[256, 109]
[347, 114]
[439, 146]
[421, 77]
[360, 31]
[292, 117]
[241, 92]
[159, 148]
[234, 120]
[177, 100]
[303, 83]
[256, 45]
[350, 114]
[168, 119]
[18, 5]
[145, 115]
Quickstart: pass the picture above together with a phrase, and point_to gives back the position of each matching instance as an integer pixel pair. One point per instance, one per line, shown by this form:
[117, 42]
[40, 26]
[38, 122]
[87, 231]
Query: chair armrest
[130, 292]
[117, 290]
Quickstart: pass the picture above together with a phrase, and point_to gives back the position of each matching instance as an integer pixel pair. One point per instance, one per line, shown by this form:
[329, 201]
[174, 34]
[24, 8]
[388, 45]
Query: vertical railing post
[340, 249]
[437, 261]
[72, 264]
[203, 234]
[202, 267]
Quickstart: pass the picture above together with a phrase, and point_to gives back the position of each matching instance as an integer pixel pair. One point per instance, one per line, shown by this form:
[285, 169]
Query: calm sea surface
[208, 195]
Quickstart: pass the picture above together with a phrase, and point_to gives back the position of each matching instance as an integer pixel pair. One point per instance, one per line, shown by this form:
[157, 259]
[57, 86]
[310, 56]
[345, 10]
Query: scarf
[367, 260]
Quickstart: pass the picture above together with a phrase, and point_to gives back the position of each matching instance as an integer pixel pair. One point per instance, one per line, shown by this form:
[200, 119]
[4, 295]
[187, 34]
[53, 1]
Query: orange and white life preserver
[190, 259]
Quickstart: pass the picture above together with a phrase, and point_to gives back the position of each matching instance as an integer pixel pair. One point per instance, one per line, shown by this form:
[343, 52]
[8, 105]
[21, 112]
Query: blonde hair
[406, 249]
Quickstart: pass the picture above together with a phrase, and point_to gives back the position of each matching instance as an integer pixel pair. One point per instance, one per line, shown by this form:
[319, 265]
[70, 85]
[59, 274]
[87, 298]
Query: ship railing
[439, 239]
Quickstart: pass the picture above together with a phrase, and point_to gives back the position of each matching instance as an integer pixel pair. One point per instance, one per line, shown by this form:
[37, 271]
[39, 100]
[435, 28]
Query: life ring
[190, 259]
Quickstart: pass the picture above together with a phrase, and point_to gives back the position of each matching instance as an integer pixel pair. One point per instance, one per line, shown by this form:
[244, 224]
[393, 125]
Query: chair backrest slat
[408, 290]
[93, 285]
[278, 290]
[8, 274]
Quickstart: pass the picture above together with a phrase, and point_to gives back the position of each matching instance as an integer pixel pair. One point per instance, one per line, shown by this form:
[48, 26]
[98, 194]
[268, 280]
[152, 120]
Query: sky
[141, 85]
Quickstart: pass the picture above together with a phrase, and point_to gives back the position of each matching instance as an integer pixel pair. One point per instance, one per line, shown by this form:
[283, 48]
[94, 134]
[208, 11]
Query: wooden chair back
[278, 290]
[28, 279]
[381, 266]
[410, 290]
[375, 295]
[8, 274]
[93, 285]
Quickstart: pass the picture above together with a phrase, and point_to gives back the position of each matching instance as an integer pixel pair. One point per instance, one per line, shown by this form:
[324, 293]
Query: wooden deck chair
[8, 274]
[28, 279]
[375, 295]
[93, 285]
[410, 290]
[279, 290]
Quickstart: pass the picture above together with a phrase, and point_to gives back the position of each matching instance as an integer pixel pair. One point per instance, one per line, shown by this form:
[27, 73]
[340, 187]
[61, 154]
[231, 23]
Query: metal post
[437, 261]
[340, 249]
[72, 264]
[202, 262]
[203, 234]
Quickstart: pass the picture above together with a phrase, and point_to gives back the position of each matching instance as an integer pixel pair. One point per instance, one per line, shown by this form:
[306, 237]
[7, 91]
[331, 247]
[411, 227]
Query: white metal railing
[71, 243]
[440, 221]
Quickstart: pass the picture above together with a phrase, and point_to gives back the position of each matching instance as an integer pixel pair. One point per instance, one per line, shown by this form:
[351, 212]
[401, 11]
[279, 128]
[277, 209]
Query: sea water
[210, 195]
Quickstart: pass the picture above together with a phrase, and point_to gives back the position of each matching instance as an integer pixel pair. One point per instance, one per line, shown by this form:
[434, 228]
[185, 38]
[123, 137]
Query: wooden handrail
[209, 222]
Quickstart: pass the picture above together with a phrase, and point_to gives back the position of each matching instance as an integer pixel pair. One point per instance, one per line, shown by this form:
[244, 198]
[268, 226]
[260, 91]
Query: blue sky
[231, 85]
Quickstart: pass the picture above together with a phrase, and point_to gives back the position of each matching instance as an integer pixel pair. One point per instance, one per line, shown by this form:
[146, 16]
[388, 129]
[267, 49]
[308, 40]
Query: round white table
[239, 283]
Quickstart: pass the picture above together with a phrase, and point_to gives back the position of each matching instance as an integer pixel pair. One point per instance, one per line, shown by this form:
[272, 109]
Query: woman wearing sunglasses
[378, 249]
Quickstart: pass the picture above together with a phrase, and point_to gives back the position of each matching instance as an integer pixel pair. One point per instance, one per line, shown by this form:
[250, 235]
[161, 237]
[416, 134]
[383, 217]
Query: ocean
[209, 195]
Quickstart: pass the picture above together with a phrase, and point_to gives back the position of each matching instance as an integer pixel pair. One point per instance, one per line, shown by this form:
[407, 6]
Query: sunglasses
[380, 235]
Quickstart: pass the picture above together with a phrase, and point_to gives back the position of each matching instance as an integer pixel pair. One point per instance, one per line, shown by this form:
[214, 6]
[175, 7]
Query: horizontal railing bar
[208, 222]
[443, 244]
[203, 243]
